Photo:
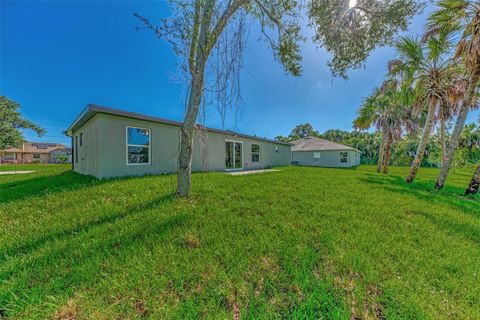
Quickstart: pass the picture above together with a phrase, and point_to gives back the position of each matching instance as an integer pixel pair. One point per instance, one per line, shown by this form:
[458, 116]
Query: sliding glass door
[233, 155]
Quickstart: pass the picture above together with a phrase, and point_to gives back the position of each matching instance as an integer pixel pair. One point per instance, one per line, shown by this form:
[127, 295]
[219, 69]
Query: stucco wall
[328, 158]
[88, 152]
[104, 149]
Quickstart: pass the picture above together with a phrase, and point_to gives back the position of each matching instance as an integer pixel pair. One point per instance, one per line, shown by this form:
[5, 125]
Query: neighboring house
[31, 152]
[113, 143]
[312, 151]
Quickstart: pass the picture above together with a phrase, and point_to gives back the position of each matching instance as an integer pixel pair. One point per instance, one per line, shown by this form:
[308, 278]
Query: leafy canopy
[11, 121]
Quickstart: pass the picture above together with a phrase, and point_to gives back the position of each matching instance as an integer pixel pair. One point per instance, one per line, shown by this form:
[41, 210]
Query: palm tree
[474, 183]
[389, 109]
[368, 114]
[464, 16]
[425, 67]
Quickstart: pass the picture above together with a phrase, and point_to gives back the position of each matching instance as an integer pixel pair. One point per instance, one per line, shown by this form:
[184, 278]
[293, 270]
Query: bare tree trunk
[186, 136]
[381, 153]
[474, 183]
[423, 143]
[443, 140]
[457, 130]
[388, 153]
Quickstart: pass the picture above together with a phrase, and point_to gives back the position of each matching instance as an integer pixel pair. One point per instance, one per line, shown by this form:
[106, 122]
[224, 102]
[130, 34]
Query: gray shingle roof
[93, 109]
[317, 144]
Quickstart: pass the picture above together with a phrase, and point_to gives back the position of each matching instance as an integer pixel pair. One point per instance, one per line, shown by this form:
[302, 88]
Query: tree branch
[217, 30]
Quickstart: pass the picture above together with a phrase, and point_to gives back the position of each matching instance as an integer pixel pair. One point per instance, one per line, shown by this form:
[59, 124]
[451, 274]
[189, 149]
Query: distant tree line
[403, 149]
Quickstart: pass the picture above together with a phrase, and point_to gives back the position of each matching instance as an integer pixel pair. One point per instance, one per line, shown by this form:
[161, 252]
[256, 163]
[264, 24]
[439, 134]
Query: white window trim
[138, 145]
[341, 157]
[259, 153]
[234, 141]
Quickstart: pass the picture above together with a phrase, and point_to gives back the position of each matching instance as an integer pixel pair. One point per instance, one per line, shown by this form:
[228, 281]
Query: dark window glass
[81, 139]
[238, 155]
[138, 155]
[36, 156]
[255, 152]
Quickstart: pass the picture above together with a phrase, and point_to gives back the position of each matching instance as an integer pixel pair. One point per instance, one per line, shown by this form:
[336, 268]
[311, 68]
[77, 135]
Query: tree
[301, 131]
[11, 122]
[427, 69]
[389, 109]
[474, 183]
[464, 15]
[201, 29]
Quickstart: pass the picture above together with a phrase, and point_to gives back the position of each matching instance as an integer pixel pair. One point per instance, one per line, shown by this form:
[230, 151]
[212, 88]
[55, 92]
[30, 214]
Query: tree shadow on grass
[72, 260]
[69, 232]
[422, 190]
[38, 186]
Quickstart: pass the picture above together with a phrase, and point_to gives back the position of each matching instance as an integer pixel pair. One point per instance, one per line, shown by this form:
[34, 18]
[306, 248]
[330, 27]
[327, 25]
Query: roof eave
[91, 108]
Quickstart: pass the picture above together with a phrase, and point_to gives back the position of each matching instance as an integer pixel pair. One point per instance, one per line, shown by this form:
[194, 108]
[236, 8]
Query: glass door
[233, 155]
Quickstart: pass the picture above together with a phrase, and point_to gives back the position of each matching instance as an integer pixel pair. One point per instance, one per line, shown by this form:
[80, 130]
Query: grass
[301, 243]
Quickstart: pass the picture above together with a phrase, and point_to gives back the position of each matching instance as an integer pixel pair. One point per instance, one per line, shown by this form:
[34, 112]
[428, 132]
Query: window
[316, 156]
[10, 156]
[81, 139]
[76, 149]
[138, 146]
[255, 152]
[276, 149]
[36, 156]
[343, 157]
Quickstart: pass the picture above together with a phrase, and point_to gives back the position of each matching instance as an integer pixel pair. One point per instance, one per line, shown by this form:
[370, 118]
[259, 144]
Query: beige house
[113, 143]
[313, 151]
[31, 152]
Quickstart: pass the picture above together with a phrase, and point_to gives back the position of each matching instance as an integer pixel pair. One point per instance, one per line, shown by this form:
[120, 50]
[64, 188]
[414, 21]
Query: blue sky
[55, 57]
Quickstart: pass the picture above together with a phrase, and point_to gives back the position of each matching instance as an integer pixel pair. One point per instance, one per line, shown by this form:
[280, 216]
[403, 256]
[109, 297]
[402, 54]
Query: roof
[91, 110]
[37, 147]
[317, 144]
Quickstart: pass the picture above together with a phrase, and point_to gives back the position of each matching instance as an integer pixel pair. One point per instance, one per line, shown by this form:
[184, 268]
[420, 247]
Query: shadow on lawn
[128, 211]
[71, 261]
[67, 180]
[451, 195]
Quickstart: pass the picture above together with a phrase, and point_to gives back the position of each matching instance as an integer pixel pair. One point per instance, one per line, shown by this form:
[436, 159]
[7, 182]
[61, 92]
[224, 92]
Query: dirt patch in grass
[68, 312]
[367, 308]
[140, 307]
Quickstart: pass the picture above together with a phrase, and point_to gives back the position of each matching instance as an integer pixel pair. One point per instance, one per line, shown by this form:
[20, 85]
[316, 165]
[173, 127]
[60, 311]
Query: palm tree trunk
[388, 153]
[381, 153]
[443, 140]
[186, 136]
[457, 130]
[474, 183]
[423, 143]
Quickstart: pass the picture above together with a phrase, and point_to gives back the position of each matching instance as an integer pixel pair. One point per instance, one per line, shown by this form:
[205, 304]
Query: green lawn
[302, 243]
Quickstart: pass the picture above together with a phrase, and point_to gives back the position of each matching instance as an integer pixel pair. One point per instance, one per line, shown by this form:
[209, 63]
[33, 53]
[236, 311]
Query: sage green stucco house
[312, 151]
[113, 143]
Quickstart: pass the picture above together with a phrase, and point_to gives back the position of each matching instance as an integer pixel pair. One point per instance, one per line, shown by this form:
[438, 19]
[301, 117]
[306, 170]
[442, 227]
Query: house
[312, 151]
[41, 152]
[113, 143]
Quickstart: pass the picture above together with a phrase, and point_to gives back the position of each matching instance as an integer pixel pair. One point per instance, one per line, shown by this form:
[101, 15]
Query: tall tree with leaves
[426, 67]
[202, 29]
[389, 108]
[464, 15]
[301, 131]
[11, 122]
